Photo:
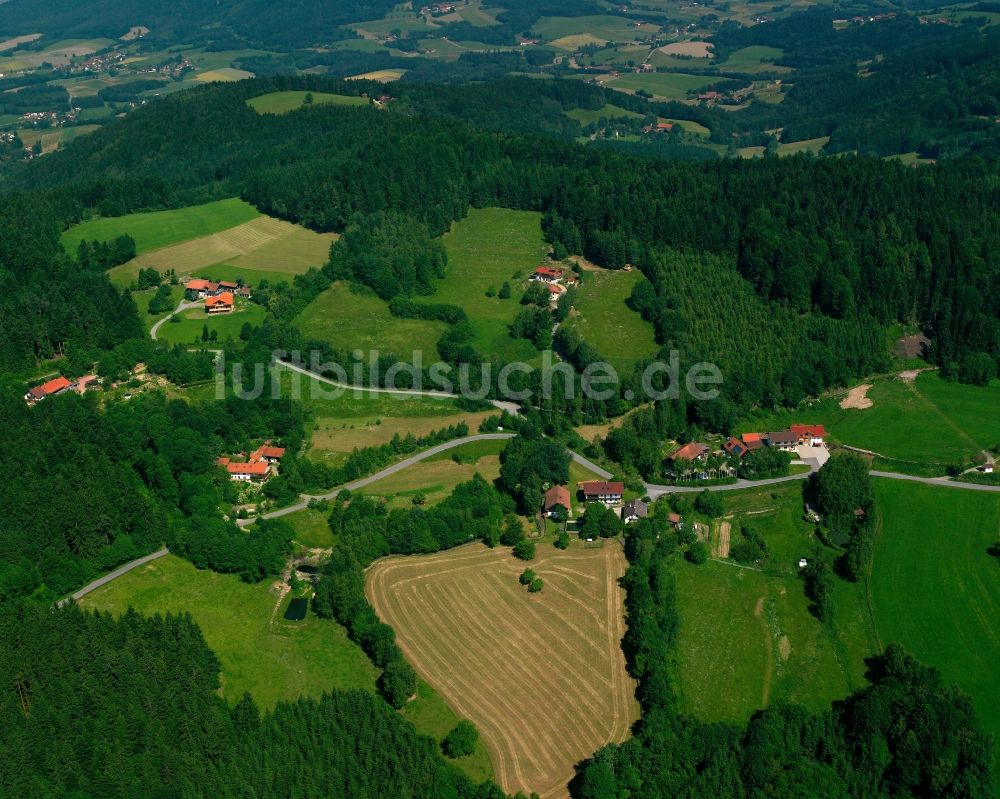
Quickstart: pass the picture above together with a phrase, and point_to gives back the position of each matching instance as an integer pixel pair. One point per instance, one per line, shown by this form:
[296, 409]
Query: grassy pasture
[349, 319]
[437, 477]
[487, 248]
[751, 59]
[694, 128]
[586, 116]
[284, 102]
[384, 75]
[143, 299]
[601, 27]
[311, 529]
[931, 421]
[813, 146]
[747, 640]
[936, 591]
[53, 139]
[161, 228]
[459, 617]
[260, 652]
[668, 85]
[263, 248]
[189, 329]
[617, 332]
[223, 75]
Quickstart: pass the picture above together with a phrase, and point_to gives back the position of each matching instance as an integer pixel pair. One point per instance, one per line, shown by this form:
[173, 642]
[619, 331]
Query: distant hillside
[288, 23]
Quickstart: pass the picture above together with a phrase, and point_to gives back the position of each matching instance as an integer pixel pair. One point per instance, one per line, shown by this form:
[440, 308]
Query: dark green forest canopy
[857, 240]
[131, 708]
[289, 23]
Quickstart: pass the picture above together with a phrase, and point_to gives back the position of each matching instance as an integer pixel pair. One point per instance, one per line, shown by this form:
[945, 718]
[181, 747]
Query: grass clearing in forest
[935, 589]
[754, 58]
[668, 85]
[356, 318]
[156, 229]
[618, 333]
[602, 27]
[259, 651]
[586, 116]
[311, 528]
[284, 102]
[541, 675]
[488, 248]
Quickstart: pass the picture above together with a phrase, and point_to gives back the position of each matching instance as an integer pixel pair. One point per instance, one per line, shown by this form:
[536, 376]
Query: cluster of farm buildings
[687, 459]
[555, 280]
[556, 501]
[220, 297]
[257, 467]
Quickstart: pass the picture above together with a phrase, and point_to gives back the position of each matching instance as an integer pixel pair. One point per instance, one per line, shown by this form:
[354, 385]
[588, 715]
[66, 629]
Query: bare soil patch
[693, 49]
[725, 533]
[541, 675]
[911, 346]
[857, 398]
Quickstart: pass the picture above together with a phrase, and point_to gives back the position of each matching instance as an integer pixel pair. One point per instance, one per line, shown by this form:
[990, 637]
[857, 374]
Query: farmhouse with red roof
[602, 491]
[224, 303]
[49, 389]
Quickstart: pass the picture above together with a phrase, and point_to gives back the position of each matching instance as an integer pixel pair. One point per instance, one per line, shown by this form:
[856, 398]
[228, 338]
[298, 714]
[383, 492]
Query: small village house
[634, 510]
[784, 440]
[556, 497]
[810, 435]
[50, 389]
[547, 274]
[675, 520]
[602, 491]
[247, 472]
[735, 448]
[268, 454]
[199, 288]
[753, 441]
[222, 304]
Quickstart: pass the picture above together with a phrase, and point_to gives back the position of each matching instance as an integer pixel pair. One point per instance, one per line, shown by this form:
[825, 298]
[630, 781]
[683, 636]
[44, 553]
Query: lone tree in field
[527, 576]
[524, 550]
[461, 741]
[536, 585]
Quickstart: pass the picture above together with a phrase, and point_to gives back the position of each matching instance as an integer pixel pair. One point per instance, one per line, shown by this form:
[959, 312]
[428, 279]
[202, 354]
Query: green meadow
[755, 58]
[669, 85]
[284, 102]
[189, 329]
[157, 229]
[601, 26]
[747, 638]
[311, 529]
[586, 116]
[354, 318]
[935, 589]
[489, 247]
[260, 652]
[617, 332]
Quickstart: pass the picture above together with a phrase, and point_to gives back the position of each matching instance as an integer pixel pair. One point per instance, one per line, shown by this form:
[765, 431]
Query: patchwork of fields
[541, 675]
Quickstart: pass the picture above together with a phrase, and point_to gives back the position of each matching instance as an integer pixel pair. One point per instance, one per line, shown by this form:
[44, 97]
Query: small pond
[297, 609]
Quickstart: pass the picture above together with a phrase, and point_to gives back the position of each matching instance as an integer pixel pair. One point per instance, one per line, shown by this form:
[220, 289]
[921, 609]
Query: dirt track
[857, 398]
[541, 675]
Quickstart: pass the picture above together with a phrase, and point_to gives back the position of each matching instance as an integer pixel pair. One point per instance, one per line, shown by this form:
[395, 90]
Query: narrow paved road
[510, 407]
[396, 467]
[947, 482]
[107, 578]
[182, 306]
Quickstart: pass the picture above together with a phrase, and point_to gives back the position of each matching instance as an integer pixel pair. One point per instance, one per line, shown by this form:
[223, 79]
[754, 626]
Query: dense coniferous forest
[90, 489]
[92, 706]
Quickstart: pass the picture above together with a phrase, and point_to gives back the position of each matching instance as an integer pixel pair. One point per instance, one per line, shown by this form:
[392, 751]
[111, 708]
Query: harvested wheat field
[264, 243]
[541, 675]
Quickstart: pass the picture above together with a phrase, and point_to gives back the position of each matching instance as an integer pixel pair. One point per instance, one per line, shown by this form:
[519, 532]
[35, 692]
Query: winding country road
[182, 306]
[113, 575]
[510, 407]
